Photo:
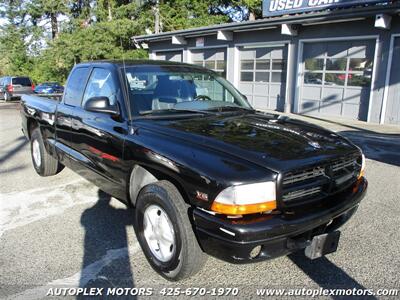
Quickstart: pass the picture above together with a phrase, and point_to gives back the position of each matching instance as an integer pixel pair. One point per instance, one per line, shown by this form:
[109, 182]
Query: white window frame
[153, 54]
[300, 66]
[222, 46]
[387, 79]
[281, 43]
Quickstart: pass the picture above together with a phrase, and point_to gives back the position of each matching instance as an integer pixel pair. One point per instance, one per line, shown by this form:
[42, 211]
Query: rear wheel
[165, 233]
[43, 162]
[6, 97]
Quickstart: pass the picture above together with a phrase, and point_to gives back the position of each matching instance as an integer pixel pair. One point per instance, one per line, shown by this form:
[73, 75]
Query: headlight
[362, 171]
[246, 199]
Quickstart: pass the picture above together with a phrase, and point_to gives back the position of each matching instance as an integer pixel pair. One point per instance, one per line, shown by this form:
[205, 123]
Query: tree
[15, 58]
[35, 44]
[248, 9]
[47, 9]
[182, 14]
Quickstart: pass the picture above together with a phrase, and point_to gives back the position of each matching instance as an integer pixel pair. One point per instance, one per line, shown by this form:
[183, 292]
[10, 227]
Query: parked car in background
[14, 87]
[49, 88]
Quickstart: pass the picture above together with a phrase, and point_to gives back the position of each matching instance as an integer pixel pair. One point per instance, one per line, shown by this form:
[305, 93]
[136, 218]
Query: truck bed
[40, 103]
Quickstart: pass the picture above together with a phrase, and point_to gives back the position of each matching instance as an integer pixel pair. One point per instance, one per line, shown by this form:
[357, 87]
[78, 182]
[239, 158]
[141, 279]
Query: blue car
[49, 88]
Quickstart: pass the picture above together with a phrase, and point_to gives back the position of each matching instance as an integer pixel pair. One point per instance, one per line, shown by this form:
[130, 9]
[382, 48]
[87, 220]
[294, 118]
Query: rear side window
[24, 81]
[75, 86]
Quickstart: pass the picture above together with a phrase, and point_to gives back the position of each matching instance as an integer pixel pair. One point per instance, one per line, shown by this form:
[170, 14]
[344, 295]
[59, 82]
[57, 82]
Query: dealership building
[331, 58]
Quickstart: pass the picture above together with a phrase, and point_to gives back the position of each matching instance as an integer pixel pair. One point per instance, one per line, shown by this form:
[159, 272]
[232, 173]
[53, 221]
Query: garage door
[169, 55]
[213, 59]
[336, 79]
[393, 101]
[263, 76]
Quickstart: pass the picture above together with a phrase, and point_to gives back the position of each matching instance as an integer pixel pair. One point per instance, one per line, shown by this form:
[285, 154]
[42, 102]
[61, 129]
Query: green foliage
[33, 42]
[14, 50]
[182, 14]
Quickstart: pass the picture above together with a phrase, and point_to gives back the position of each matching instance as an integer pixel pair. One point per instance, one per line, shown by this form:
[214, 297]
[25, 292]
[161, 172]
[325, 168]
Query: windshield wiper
[174, 110]
[232, 108]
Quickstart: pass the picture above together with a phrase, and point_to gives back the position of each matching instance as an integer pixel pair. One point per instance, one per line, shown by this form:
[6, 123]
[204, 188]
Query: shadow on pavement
[106, 262]
[327, 275]
[21, 142]
[15, 169]
[381, 147]
[14, 104]
[358, 128]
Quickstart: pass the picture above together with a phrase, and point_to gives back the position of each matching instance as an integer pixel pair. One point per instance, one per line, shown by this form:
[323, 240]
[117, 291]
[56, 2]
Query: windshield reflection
[166, 89]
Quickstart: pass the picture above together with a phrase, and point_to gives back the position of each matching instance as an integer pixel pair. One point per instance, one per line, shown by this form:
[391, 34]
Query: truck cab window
[76, 84]
[101, 84]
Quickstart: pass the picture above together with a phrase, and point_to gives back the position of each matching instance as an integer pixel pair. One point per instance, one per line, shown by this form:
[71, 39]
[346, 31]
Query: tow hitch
[322, 244]
[316, 246]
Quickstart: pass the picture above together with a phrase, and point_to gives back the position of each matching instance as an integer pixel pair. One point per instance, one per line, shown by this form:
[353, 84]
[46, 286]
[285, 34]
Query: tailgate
[22, 85]
[20, 89]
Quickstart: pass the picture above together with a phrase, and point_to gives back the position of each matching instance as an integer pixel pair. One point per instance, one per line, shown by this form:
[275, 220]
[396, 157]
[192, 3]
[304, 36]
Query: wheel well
[31, 125]
[147, 177]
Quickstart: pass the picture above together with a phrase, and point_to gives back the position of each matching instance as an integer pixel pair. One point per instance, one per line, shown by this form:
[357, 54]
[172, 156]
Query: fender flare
[139, 178]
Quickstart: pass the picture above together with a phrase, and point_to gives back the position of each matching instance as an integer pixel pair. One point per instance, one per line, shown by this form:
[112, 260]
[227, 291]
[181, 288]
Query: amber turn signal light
[230, 209]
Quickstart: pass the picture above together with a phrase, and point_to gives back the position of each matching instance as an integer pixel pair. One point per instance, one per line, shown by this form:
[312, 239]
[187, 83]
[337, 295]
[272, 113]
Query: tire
[6, 97]
[185, 257]
[43, 162]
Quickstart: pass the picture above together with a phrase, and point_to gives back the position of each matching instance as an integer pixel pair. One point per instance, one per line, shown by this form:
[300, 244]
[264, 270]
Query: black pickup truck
[203, 170]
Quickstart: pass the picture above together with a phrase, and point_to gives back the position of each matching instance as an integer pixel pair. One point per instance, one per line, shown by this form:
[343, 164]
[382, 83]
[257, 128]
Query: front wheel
[43, 162]
[6, 97]
[165, 233]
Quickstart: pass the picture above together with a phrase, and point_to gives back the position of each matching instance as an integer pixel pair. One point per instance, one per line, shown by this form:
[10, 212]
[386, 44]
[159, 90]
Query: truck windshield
[167, 89]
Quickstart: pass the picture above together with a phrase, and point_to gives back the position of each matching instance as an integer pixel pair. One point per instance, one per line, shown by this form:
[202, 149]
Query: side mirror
[101, 105]
[244, 96]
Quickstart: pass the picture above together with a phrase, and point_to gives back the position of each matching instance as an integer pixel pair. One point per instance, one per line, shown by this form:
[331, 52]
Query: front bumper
[232, 240]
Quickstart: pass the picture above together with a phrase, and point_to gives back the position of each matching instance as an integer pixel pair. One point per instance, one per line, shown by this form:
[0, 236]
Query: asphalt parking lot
[62, 231]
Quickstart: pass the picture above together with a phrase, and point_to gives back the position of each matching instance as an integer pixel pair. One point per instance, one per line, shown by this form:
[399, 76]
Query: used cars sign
[283, 7]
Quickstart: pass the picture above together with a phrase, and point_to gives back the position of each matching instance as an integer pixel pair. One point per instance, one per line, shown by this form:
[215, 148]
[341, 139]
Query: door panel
[65, 111]
[63, 132]
[393, 102]
[99, 137]
[337, 74]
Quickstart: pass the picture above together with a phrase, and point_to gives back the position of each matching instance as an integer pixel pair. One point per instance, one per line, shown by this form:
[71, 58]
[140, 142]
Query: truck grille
[317, 182]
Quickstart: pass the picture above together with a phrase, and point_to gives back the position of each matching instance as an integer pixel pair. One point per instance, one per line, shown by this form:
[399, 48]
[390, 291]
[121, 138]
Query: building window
[216, 65]
[246, 76]
[331, 71]
[262, 70]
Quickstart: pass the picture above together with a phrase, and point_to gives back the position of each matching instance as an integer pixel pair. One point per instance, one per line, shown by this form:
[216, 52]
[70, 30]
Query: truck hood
[278, 143]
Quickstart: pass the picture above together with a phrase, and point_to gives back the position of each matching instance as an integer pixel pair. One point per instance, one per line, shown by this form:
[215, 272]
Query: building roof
[304, 18]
